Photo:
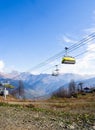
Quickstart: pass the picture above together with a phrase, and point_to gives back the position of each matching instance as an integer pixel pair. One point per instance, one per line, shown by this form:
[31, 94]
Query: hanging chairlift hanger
[68, 59]
[56, 71]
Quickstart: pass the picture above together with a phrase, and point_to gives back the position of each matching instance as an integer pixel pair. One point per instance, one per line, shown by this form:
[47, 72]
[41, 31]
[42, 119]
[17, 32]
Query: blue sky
[32, 31]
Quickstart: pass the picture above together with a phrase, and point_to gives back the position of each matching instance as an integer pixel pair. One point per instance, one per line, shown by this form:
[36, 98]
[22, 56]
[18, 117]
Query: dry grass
[63, 113]
[84, 103]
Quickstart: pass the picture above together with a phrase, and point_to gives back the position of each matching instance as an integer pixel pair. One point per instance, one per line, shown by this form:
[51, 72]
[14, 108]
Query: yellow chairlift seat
[68, 60]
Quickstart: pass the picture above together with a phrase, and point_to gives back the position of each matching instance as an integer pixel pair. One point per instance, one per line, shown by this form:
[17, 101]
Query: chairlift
[56, 71]
[68, 59]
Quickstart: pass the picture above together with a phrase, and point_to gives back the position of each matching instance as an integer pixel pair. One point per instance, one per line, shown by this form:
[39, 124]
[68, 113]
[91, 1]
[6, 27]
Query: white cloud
[2, 65]
[91, 47]
[67, 39]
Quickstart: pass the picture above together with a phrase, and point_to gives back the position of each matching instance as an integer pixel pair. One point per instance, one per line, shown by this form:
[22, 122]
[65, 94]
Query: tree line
[72, 90]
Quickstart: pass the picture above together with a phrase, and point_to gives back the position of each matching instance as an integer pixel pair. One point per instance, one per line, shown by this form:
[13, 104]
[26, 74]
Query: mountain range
[42, 85]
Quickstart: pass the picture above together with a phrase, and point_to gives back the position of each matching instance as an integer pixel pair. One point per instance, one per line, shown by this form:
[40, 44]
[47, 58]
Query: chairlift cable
[60, 64]
[71, 48]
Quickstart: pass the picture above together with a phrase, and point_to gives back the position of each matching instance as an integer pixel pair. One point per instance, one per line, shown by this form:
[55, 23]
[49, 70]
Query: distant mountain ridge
[44, 84]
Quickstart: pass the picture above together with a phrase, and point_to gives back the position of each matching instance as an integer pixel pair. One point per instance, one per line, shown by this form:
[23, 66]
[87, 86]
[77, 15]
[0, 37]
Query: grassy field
[62, 113]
